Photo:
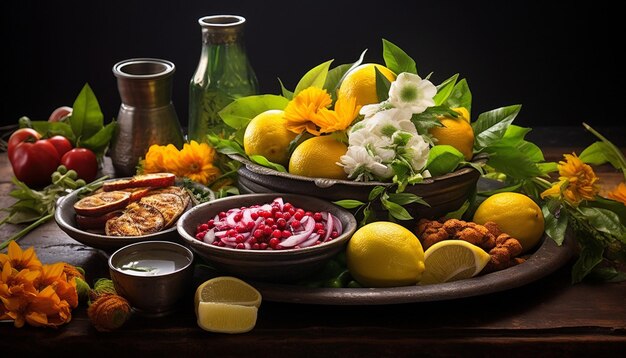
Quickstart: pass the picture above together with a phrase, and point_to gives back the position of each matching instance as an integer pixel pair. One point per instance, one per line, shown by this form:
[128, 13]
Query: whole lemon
[456, 132]
[317, 157]
[267, 135]
[385, 254]
[515, 214]
[360, 83]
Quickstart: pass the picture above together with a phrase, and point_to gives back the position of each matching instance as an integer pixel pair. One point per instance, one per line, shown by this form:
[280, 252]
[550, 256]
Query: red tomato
[19, 136]
[59, 114]
[34, 163]
[62, 144]
[83, 161]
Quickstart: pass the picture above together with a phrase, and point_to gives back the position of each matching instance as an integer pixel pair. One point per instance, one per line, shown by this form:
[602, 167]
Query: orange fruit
[456, 132]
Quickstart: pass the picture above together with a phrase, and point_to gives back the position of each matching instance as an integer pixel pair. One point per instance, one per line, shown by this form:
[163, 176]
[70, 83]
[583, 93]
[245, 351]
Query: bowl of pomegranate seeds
[272, 237]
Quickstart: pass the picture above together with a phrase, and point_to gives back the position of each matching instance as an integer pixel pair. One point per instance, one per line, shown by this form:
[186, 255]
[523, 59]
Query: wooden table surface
[549, 317]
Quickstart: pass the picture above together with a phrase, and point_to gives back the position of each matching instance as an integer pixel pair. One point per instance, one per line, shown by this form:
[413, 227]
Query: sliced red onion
[296, 239]
[311, 240]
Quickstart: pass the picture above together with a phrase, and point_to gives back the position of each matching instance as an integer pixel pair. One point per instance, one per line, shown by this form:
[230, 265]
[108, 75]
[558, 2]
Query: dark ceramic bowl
[65, 217]
[287, 265]
[443, 193]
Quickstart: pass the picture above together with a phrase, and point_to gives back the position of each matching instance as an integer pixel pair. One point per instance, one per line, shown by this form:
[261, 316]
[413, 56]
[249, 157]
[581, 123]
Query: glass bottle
[223, 74]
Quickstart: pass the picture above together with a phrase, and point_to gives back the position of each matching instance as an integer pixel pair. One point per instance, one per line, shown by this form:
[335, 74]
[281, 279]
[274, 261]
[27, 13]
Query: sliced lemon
[452, 260]
[226, 304]
[226, 318]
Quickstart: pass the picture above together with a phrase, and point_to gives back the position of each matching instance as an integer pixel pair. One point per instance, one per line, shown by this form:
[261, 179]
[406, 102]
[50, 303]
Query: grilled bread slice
[138, 219]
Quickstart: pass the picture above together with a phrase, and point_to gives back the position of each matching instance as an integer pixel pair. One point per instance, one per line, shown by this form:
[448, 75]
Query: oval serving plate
[64, 216]
[545, 260]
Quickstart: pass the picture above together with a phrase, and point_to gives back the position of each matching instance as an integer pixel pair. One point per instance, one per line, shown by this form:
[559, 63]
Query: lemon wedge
[226, 304]
[452, 260]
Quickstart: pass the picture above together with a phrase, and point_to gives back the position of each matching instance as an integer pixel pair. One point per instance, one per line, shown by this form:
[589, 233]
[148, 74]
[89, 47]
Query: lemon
[452, 260]
[360, 83]
[317, 157]
[515, 214]
[267, 135]
[456, 132]
[385, 254]
[226, 304]
[226, 318]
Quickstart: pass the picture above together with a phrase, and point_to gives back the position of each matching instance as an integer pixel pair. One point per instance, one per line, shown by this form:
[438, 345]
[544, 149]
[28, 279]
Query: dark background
[559, 60]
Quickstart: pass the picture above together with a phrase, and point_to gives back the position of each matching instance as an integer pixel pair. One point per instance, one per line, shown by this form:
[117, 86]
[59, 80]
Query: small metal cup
[152, 294]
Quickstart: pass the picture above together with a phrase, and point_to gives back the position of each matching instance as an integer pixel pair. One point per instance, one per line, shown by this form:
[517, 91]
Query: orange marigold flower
[20, 259]
[302, 110]
[161, 159]
[577, 181]
[339, 119]
[195, 161]
[32, 293]
[619, 193]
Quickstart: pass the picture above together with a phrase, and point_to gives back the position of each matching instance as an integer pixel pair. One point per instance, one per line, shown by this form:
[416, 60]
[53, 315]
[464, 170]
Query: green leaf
[445, 89]
[397, 60]
[99, 142]
[240, 112]
[605, 221]
[443, 159]
[617, 157]
[404, 198]
[382, 86]
[599, 153]
[606, 274]
[396, 210]
[375, 192]
[349, 203]
[86, 118]
[368, 216]
[315, 77]
[555, 226]
[226, 146]
[461, 96]
[514, 136]
[491, 126]
[49, 129]
[614, 206]
[261, 160]
[546, 168]
[591, 254]
[286, 93]
[510, 161]
[333, 79]
[458, 213]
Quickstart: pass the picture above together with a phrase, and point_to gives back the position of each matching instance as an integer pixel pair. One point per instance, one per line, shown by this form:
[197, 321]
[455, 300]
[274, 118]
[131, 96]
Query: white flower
[417, 152]
[384, 122]
[358, 163]
[411, 92]
[370, 109]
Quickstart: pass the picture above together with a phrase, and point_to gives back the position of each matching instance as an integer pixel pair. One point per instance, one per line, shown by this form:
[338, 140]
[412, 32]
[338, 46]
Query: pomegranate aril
[295, 224]
[274, 242]
[317, 217]
[258, 233]
[286, 233]
[281, 223]
[269, 221]
[277, 234]
[298, 215]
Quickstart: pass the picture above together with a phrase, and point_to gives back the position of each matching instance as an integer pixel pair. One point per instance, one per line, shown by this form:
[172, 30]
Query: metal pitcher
[147, 115]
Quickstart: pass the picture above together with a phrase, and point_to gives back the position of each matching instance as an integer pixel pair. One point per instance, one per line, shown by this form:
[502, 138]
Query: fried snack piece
[503, 255]
[502, 248]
